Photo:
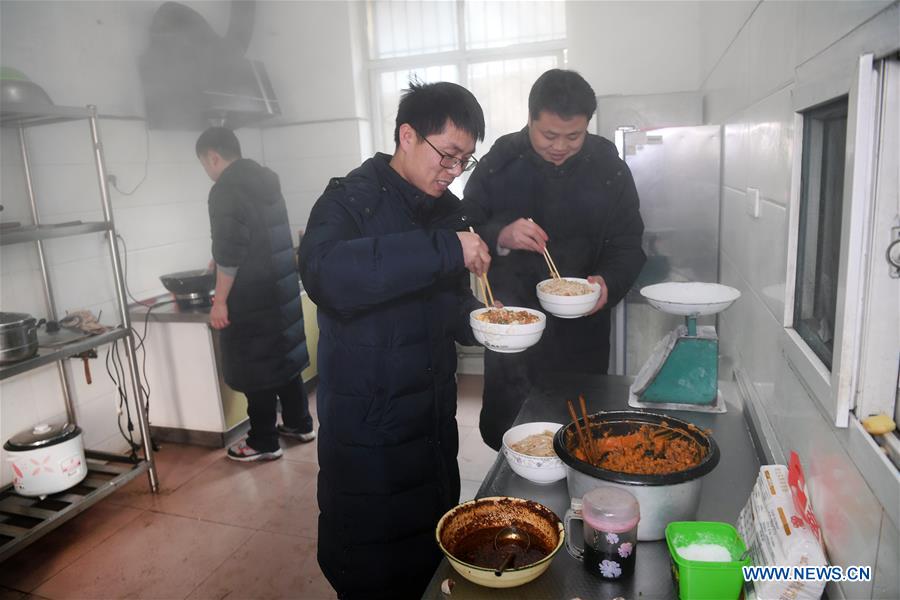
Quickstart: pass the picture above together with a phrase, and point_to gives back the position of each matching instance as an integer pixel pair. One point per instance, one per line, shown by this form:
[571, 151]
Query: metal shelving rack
[24, 520]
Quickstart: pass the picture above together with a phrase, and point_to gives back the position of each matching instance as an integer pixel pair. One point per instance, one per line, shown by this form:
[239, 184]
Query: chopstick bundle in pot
[587, 426]
[582, 440]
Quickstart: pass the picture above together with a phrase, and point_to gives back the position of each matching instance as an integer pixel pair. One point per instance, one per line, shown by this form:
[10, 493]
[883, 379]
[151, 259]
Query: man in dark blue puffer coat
[257, 301]
[384, 257]
[553, 185]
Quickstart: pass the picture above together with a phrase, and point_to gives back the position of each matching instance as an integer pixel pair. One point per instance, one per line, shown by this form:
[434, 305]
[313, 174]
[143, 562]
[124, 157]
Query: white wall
[750, 93]
[314, 51]
[629, 48]
[86, 53]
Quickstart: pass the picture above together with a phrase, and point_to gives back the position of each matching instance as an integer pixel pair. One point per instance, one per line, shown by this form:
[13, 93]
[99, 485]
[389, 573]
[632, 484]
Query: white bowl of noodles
[528, 449]
[568, 297]
[508, 330]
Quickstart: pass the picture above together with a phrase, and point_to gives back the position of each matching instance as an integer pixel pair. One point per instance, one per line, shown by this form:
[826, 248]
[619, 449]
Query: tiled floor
[197, 538]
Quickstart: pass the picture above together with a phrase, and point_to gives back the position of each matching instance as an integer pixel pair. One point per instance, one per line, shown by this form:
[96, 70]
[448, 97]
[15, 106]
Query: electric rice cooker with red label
[46, 459]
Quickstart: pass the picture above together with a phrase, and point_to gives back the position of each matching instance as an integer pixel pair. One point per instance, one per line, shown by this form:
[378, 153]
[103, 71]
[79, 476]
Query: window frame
[835, 389]
[461, 57]
[839, 393]
[815, 121]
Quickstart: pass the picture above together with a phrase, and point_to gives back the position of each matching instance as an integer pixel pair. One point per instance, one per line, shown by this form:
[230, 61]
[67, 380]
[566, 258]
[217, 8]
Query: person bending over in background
[583, 201]
[257, 301]
[384, 258]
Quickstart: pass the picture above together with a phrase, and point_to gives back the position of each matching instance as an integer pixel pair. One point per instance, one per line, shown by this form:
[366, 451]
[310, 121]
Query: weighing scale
[683, 370]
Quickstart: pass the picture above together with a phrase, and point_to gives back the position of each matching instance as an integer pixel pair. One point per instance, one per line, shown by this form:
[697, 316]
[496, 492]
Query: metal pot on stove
[18, 337]
[46, 459]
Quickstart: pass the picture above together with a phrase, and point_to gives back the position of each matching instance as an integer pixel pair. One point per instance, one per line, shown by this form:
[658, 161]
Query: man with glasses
[385, 257]
[553, 185]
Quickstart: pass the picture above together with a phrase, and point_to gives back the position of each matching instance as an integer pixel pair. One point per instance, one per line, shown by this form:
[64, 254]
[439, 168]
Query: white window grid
[443, 63]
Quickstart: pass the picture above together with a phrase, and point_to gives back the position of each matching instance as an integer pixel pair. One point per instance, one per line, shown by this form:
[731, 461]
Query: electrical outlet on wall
[753, 202]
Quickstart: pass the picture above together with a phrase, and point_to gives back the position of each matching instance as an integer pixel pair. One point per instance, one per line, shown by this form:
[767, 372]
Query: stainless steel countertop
[167, 313]
[725, 491]
[164, 310]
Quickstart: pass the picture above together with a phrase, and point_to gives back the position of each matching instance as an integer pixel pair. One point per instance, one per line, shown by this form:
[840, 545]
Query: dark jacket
[264, 346]
[385, 267]
[589, 208]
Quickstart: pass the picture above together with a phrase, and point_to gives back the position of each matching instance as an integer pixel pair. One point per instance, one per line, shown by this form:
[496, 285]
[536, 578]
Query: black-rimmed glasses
[450, 162]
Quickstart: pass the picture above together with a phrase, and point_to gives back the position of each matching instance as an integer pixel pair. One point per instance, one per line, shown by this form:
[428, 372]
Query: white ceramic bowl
[569, 307]
[507, 338]
[537, 469]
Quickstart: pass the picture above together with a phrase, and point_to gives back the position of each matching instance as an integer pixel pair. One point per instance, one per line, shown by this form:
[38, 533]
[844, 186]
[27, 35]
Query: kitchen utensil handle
[505, 564]
[576, 552]
[87, 370]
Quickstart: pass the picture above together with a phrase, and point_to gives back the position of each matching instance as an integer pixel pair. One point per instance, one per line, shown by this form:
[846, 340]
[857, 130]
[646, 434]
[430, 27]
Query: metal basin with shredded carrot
[650, 450]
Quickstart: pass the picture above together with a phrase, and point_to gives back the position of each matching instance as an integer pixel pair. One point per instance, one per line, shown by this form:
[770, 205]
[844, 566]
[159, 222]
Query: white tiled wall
[86, 52]
[306, 156]
[750, 92]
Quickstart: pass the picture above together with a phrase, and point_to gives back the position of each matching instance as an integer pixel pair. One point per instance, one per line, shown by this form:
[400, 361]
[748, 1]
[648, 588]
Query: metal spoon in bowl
[511, 538]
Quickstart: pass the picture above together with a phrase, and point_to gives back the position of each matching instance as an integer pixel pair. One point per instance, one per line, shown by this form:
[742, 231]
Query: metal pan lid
[13, 319]
[42, 435]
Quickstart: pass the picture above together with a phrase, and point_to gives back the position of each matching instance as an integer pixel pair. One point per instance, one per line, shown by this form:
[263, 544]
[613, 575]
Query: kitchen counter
[163, 309]
[725, 491]
[191, 402]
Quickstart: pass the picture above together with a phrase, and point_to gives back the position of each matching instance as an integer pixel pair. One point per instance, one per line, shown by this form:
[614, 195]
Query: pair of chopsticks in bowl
[485, 287]
[554, 272]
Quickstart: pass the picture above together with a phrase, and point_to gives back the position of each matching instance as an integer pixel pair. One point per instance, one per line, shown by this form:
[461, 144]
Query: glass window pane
[405, 28]
[390, 87]
[493, 23]
[819, 246]
[502, 87]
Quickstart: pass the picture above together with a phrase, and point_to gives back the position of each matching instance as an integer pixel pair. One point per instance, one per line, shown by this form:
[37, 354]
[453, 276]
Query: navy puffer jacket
[264, 346]
[589, 208]
[384, 265]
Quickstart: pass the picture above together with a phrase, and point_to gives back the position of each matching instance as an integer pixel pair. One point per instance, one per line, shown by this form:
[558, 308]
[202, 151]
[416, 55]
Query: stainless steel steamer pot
[18, 337]
[662, 498]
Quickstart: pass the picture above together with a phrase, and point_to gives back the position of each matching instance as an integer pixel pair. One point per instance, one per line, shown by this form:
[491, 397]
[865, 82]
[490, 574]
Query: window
[841, 317]
[819, 242]
[496, 49]
[849, 242]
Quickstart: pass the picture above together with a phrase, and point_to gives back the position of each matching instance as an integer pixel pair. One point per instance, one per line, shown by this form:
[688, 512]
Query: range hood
[194, 78]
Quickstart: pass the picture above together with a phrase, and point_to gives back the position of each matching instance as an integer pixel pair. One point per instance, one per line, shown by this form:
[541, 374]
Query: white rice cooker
[46, 459]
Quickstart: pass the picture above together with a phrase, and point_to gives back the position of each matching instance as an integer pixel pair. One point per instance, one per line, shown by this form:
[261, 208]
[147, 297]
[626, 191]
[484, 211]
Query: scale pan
[690, 298]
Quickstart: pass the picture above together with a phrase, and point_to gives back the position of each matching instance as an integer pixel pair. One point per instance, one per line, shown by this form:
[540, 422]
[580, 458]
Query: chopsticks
[585, 437]
[484, 286]
[554, 272]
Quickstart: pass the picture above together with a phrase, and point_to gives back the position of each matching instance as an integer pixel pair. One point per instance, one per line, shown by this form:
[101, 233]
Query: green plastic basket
[701, 580]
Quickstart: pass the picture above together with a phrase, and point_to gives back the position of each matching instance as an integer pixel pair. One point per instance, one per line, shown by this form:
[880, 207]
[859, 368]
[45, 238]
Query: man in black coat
[553, 185]
[384, 257]
[257, 302]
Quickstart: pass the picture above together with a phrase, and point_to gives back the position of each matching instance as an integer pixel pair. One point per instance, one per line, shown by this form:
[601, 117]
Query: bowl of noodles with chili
[661, 460]
[508, 330]
[528, 449]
